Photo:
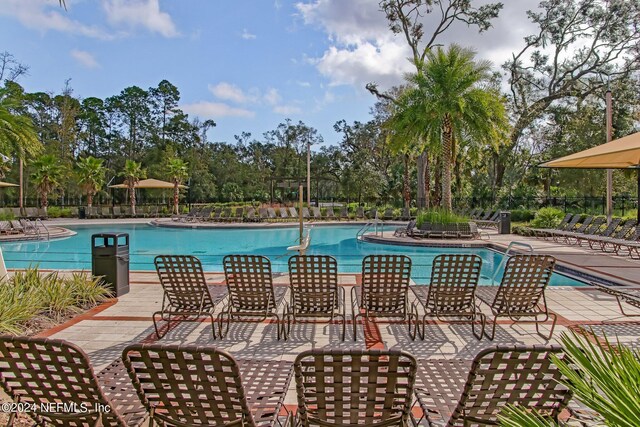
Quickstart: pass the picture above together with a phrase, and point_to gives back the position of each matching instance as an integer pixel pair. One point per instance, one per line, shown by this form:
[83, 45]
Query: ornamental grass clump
[439, 216]
[30, 298]
[547, 218]
[603, 376]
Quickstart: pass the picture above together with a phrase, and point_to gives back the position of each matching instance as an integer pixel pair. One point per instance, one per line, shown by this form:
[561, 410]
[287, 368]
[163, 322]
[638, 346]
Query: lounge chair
[284, 214]
[27, 226]
[405, 215]
[204, 214]
[238, 216]
[117, 212]
[524, 376]
[422, 232]
[344, 213]
[568, 223]
[593, 230]
[314, 291]
[305, 213]
[630, 296]
[217, 215]
[17, 226]
[6, 228]
[187, 217]
[605, 242]
[271, 213]
[49, 376]
[521, 292]
[627, 243]
[468, 230]
[384, 290]
[372, 214]
[354, 387]
[388, 214]
[405, 231]
[293, 213]
[316, 213]
[251, 215]
[330, 215]
[92, 212]
[359, 213]
[606, 232]
[451, 294]
[492, 222]
[186, 294]
[264, 214]
[251, 291]
[183, 385]
[561, 234]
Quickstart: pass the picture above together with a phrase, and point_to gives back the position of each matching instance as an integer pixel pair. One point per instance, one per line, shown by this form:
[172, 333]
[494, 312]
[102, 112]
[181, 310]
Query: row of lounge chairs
[19, 227]
[617, 236]
[183, 385]
[250, 214]
[385, 291]
[28, 213]
[427, 230]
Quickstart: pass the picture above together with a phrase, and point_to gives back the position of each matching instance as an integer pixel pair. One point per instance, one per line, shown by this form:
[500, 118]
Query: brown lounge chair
[451, 294]
[51, 377]
[384, 291]
[497, 377]
[630, 296]
[251, 291]
[186, 294]
[354, 388]
[314, 290]
[203, 386]
[521, 292]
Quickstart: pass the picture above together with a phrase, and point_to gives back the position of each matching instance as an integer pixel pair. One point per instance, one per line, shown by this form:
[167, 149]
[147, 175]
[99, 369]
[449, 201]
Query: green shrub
[29, 295]
[547, 218]
[6, 216]
[439, 216]
[522, 215]
[58, 212]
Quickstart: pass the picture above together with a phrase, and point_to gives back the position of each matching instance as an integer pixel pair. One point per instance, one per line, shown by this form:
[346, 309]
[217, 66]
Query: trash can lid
[110, 234]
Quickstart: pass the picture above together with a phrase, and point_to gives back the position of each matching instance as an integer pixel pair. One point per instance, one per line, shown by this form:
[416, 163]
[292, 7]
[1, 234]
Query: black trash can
[110, 259]
[504, 227]
[82, 212]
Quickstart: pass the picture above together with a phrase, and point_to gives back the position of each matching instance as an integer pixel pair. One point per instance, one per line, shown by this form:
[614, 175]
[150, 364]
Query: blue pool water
[211, 245]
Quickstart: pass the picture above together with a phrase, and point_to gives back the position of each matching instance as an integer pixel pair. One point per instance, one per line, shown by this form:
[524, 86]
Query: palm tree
[132, 174]
[451, 101]
[17, 135]
[90, 172]
[178, 171]
[47, 174]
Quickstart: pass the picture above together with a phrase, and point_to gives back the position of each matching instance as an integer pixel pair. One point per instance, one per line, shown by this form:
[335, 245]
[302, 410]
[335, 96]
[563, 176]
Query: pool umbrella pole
[300, 216]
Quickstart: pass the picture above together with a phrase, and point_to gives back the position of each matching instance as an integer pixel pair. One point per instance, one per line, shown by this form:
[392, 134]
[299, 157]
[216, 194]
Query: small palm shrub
[547, 218]
[522, 215]
[30, 296]
[439, 216]
[602, 376]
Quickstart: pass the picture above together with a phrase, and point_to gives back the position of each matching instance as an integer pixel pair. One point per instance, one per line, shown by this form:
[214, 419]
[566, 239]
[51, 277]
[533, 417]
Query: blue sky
[247, 64]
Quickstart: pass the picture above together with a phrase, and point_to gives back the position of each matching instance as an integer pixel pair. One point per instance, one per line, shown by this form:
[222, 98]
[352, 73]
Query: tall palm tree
[452, 101]
[178, 171]
[132, 174]
[18, 137]
[91, 173]
[47, 175]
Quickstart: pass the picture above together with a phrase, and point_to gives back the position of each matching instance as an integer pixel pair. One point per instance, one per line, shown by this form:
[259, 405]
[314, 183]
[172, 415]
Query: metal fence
[622, 205]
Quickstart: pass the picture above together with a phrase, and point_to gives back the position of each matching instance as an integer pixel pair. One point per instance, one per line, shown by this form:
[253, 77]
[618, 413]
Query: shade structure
[149, 183]
[7, 184]
[621, 153]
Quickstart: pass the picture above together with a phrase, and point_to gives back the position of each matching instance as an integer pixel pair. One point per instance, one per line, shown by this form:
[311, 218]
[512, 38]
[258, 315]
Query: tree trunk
[132, 200]
[447, 136]
[176, 197]
[427, 182]
[437, 184]
[422, 194]
[89, 199]
[406, 192]
[44, 200]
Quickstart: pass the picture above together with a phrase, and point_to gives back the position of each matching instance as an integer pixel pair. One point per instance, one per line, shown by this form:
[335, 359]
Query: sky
[247, 64]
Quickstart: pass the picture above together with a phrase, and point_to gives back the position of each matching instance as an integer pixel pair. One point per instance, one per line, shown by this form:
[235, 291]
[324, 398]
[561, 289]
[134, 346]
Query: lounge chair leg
[553, 325]
[355, 327]
[155, 324]
[622, 308]
[344, 328]
[213, 326]
[483, 320]
[414, 314]
[493, 329]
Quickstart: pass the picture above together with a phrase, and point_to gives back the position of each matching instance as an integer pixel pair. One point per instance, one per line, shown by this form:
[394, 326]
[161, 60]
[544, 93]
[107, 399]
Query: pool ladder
[376, 223]
[505, 258]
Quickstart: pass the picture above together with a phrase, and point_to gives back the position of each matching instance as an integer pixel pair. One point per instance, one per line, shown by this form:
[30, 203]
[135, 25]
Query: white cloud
[213, 110]
[303, 84]
[230, 92]
[140, 13]
[247, 35]
[272, 97]
[85, 58]
[286, 110]
[45, 15]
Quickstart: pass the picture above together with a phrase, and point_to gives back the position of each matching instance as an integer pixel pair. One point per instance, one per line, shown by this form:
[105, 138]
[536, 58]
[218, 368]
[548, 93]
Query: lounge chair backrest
[388, 213]
[608, 231]
[293, 212]
[344, 212]
[5, 226]
[454, 279]
[284, 213]
[188, 385]
[406, 213]
[523, 283]
[249, 281]
[625, 229]
[183, 282]
[117, 211]
[522, 376]
[354, 387]
[264, 213]
[584, 225]
[571, 225]
[359, 212]
[373, 213]
[487, 215]
[314, 283]
[595, 225]
[495, 216]
[316, 212]
[251, 213]
[385, 282]
[272, 213]
[305, 213]
[564, 221]
[330, 213]
[43, 371]
[226, 213]
[239, 212]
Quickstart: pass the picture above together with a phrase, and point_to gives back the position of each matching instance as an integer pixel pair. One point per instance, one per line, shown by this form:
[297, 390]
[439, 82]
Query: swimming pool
[211, 245]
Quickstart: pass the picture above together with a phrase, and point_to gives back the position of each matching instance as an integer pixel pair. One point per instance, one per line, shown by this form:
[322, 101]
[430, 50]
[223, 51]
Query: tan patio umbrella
[622, 153]
[149, 183]
[7, 184]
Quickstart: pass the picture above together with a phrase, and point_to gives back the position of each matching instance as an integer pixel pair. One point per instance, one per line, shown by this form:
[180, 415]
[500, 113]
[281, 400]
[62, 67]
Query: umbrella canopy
[622, 153]
[149, 183]
[7, 184]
